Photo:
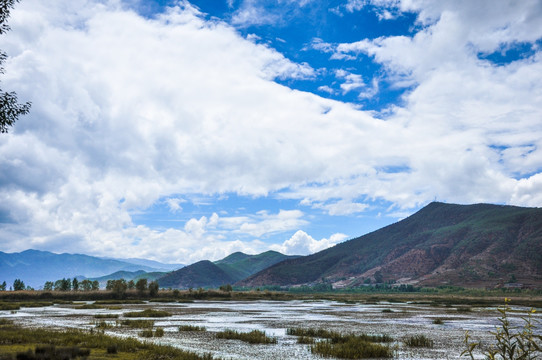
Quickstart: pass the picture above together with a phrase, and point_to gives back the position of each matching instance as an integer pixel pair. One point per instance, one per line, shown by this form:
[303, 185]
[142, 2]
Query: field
[418, 329]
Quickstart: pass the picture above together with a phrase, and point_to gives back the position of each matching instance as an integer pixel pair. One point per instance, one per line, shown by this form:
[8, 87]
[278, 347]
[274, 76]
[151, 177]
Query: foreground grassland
[17, 340]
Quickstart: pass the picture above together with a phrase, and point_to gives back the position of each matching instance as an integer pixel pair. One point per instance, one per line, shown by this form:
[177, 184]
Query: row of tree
[18, 285]
[72, 285]
[119, 287]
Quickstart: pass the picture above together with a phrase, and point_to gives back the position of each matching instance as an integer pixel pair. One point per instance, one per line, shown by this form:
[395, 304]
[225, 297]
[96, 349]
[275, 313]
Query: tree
[75, 284]
[95, 285]
[63, 285]
[131, 284]
[10, 109]
[86, 285]
[153, 288]
[3, 286]
[141, 286]
[48, 286]
[18, 285]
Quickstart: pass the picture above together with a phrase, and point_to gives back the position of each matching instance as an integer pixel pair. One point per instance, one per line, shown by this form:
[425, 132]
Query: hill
[201, 274]
[468, 245]
[36, 267]
[229, 270]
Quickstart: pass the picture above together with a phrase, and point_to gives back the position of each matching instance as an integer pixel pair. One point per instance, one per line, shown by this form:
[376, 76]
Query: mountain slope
[229, 270]
[36, 267]
[473, 245]
[201, 274]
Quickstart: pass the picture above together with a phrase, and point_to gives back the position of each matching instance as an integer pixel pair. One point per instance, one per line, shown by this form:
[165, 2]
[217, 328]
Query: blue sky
[179, 131]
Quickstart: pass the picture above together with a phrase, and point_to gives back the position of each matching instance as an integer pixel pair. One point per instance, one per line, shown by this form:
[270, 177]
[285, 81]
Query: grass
[138, 324]
[305, 340]
[419, 341]
[89, 306]
[147, 313]
[106, 316]
[147, 333]
[351, 348]
[253, 337]
[387, 311]
[102, 325]
[438, 321]
[191, 328]
[15, 339]
[336, 336]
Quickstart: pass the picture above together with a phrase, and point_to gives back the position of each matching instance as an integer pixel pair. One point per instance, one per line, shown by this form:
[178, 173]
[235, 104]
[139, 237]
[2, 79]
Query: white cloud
[127, 111]
[174, 204]
[302, 244]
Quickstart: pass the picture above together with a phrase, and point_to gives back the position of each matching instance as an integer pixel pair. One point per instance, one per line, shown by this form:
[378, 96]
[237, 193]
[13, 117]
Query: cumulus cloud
[129, 110]
[302, 243]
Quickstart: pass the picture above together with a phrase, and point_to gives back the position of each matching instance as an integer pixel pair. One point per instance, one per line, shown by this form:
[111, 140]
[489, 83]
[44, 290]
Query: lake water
[274, 317]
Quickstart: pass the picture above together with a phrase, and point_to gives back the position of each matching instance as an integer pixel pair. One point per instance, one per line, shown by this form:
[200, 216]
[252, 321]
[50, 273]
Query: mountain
[229, 270]
[159, 266]
[469, 245]
[36, 267]
[201, 274]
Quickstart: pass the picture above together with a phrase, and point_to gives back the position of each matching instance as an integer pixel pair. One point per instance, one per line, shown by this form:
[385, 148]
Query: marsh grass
[419, 341]
[305, 340]
[147, 313]
[147, 333]
[387, 311]
[253, 337]
[351, 348]
[337, 337]
[106, 316]
[12, 336]
[192, 328]
[438, 321]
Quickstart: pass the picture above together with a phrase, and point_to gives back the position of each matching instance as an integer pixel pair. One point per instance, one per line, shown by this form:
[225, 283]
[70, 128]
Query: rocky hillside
[468, 245]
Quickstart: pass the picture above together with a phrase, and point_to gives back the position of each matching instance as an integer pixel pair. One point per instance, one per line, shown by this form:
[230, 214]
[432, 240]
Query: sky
[179, 131]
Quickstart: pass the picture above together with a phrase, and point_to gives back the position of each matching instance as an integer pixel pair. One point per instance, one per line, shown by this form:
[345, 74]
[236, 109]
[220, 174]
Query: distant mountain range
[229, 270]
[478, 245]
[36, 267]
[442, 244]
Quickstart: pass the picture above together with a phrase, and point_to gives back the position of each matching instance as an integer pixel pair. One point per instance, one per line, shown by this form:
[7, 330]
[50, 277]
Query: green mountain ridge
[229, 270]
[442, 244]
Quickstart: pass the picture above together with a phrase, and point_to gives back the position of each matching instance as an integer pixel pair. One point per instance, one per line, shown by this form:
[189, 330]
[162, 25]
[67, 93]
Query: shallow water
[274, 317]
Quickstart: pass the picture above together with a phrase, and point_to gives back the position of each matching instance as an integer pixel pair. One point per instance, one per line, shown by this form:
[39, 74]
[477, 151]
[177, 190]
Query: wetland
[193, 326]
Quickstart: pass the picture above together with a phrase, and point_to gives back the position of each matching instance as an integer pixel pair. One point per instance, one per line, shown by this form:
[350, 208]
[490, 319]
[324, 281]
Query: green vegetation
[14, 339]
[147, 313]
[106, 316]
[438, 321]
[351, 348]
[191, 328]
[511, 342]
[337, 337]
[419, 341]
[253, 337]
[148, 333]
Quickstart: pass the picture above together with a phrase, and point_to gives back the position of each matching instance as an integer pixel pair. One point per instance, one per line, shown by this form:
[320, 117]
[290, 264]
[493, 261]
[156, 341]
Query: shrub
[419, 341]
[511, 343]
